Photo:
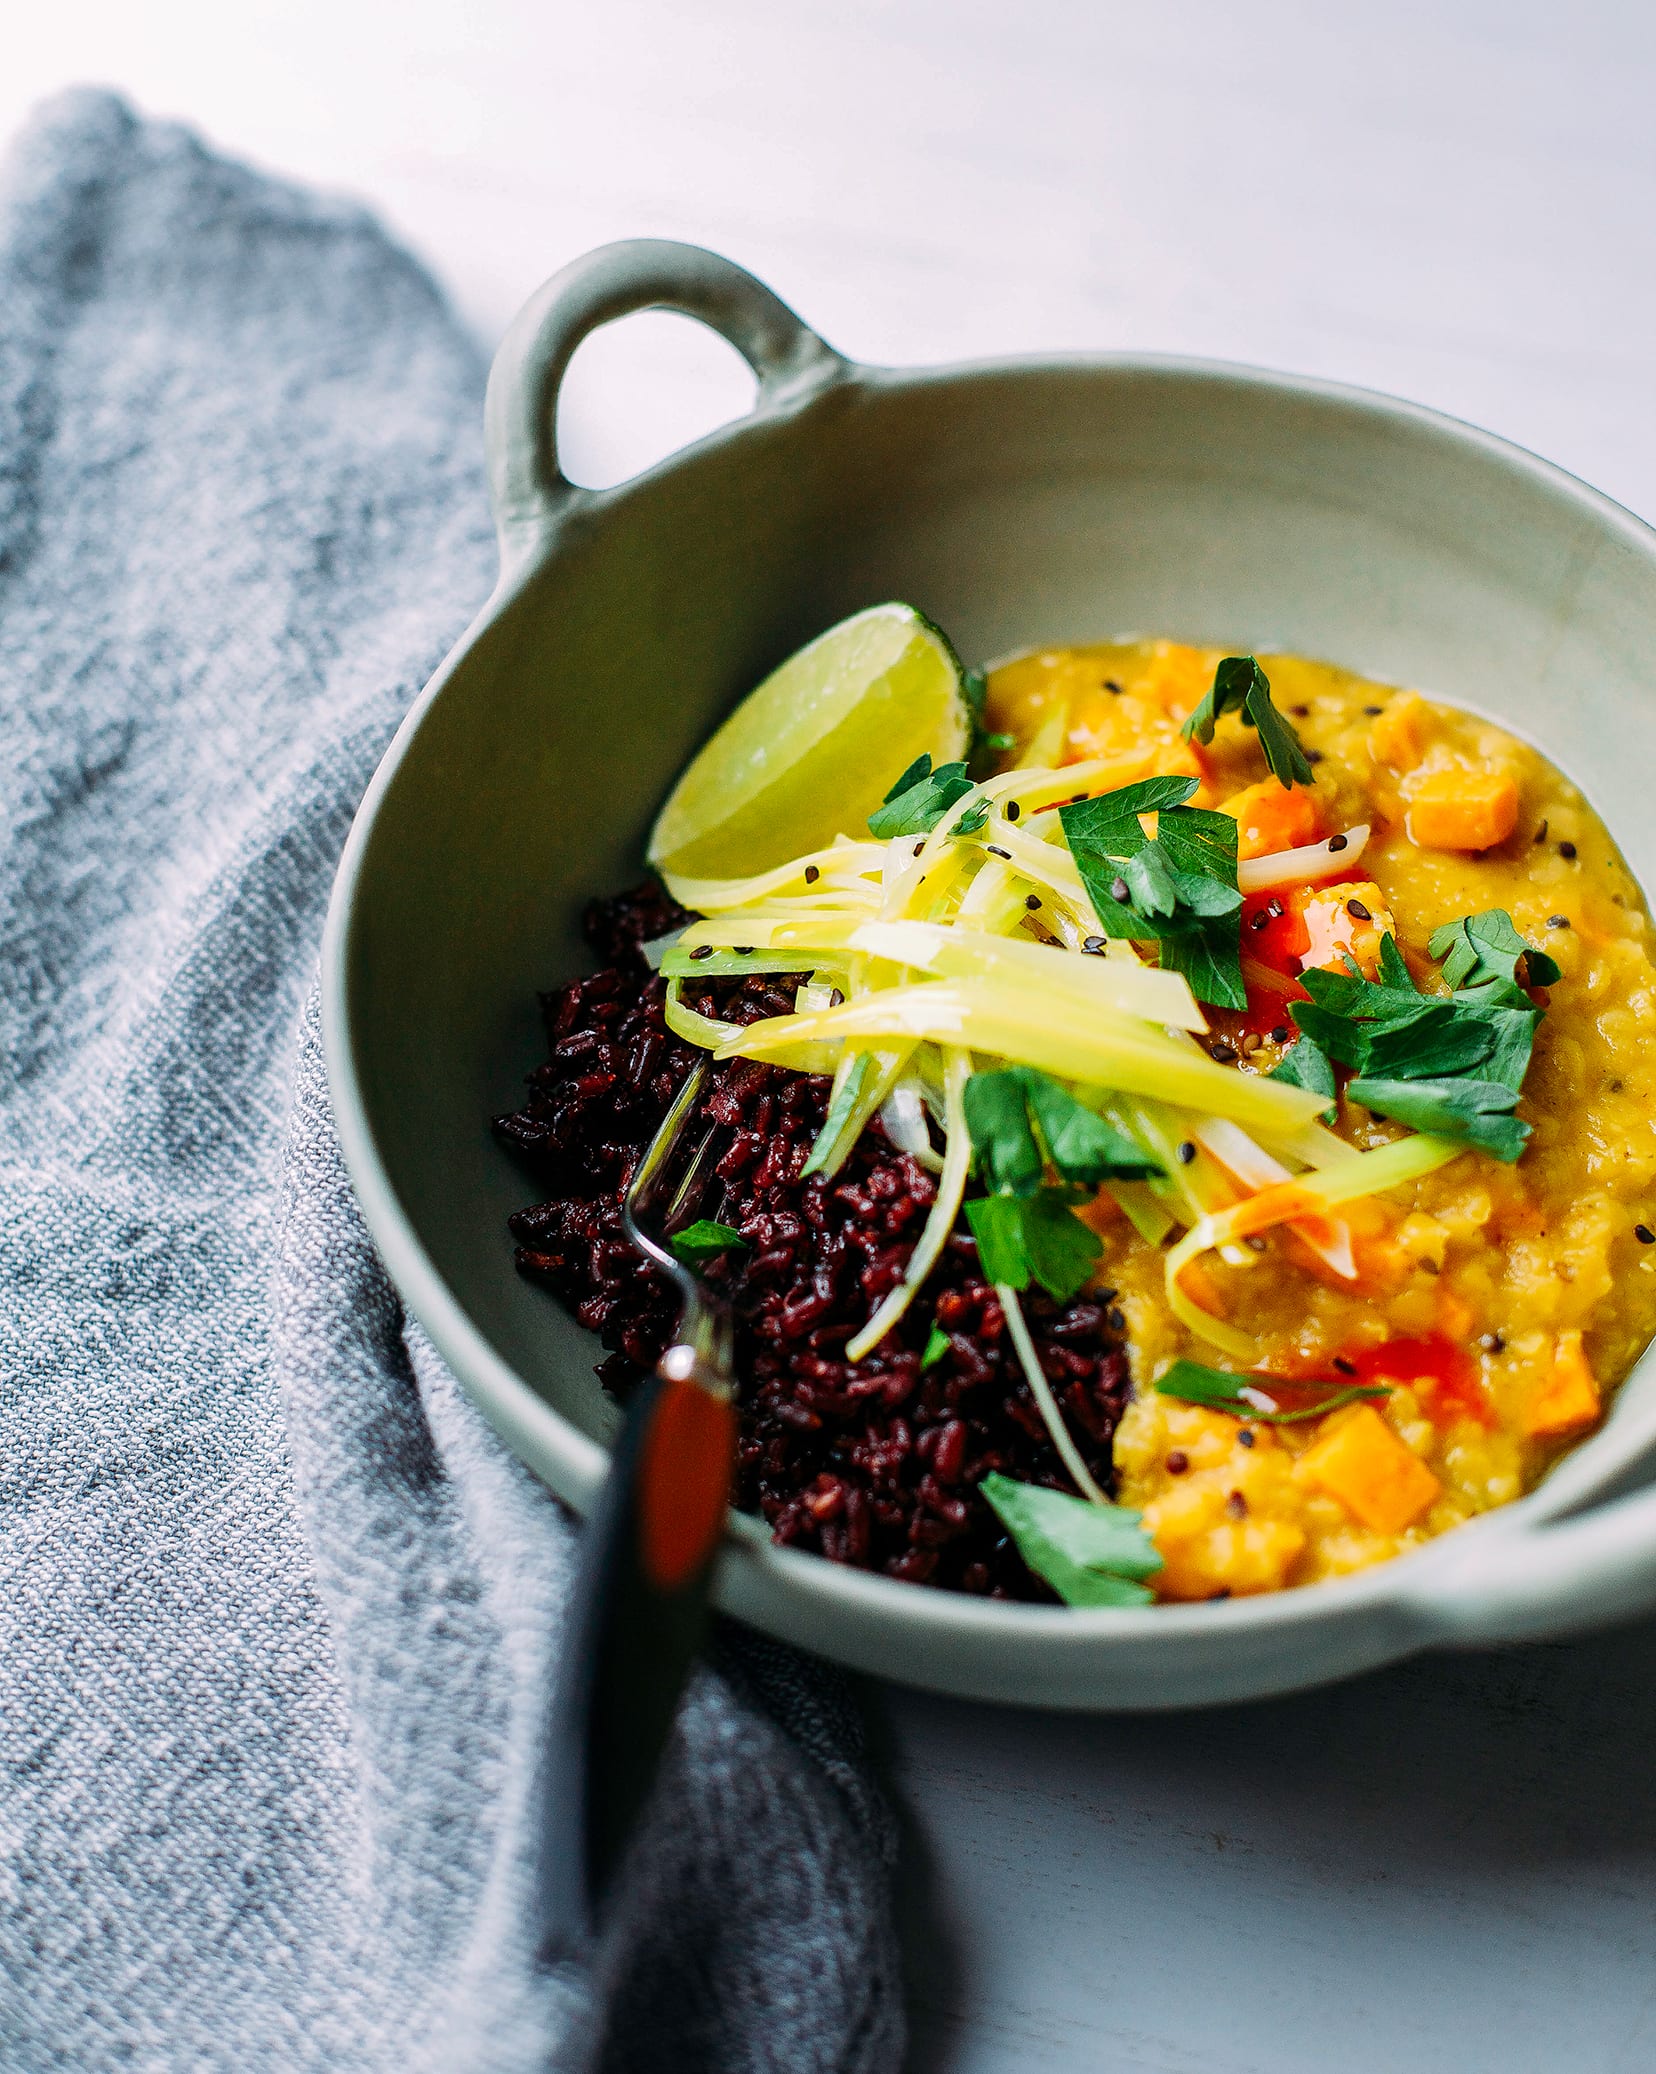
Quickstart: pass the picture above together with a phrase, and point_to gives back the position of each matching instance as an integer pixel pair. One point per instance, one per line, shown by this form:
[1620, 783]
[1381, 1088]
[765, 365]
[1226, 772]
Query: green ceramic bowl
[1014, 502]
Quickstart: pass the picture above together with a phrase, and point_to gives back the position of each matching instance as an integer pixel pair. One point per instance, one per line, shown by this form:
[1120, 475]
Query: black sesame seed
[1177, 1462]
[1337, 843]
[1300, 712]
[1111, 685]
[702, 950]
[1558, 921]
[1187, 1152]
[1236, 1505]
[995, 850]
[812, 874]
[1032, 901]
[1344, 1366]
[1276, 910]
[1260, 920]
[1118, 889]
[1358, 912]
[743, 950]
[919, 846]
[1280, 1034]
[1541, 833]
[1223, 1051]
[1013, 810]
[1313, 756]
[1246, 1437]
[1116, 1318]
[1644, 1235]
[1093, 946]
[1566, 849]
[1492, 1343]
[1374, 711]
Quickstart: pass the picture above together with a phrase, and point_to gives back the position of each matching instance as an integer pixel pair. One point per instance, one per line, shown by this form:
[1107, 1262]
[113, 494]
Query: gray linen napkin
[276, 1610]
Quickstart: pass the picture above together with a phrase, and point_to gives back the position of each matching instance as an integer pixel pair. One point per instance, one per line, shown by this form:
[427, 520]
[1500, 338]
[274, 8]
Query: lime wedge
[812, 751]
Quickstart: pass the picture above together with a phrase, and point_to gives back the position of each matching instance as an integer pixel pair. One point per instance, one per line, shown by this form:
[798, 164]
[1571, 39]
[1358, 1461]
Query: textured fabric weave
[277, 1613]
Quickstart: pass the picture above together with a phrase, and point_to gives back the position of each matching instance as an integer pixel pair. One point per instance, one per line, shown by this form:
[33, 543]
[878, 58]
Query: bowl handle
[1535, 1583]
[530, 491]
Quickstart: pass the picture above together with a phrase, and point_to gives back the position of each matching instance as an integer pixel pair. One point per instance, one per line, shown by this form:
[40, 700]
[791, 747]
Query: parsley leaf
[1176, 888]
[1488, 947]
[920, 798]
[1241, 686]
[1034, 1238]
[1305, 1064]
[1479, 1112]
[1091, 1555]
[1216, 1388]
[703, 1241]
[1004, 1111]
[937, 1345]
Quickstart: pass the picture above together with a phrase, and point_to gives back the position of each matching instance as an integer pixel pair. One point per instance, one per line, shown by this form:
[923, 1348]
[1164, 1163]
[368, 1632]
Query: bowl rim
[536, 1431]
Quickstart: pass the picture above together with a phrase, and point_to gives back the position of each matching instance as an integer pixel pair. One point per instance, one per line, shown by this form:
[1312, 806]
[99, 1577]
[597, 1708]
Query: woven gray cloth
[277, 1612]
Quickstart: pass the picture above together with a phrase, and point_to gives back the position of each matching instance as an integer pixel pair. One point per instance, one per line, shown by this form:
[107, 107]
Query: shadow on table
[1525, 1760]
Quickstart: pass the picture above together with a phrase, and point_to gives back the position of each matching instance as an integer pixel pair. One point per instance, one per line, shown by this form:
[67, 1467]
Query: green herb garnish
[1177, 888]
[1452, 1064]
[1023, 1122]
[1034, 1238]
[1091, 1555]
[920, 798]
[703, 1241]
[1305, 1064]
[1254, 1397]
[1241, 686]
[1488, 946]
[937, 1345]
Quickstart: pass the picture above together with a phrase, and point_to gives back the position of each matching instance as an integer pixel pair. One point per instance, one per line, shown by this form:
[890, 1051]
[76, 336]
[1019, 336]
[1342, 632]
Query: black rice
[874, 1463]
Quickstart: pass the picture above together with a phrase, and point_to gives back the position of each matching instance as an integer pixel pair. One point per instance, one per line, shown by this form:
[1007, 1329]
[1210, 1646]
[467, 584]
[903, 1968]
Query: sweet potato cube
[1463, 810]
[1569, 1398]
[1361, 1461]
[1270, 817]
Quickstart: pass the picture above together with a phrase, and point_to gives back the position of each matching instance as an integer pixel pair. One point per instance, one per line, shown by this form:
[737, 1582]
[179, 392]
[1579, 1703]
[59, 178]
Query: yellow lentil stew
[1488, 1308]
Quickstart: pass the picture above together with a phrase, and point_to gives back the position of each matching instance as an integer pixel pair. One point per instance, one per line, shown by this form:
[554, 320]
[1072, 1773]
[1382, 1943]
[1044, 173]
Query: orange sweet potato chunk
[1271, 817]
[1569, 1398]
[1361, 1461]
[1463, 810]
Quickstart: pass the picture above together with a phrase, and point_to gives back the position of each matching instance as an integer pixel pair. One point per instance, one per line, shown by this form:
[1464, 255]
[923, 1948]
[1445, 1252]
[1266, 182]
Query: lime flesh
[813, 750]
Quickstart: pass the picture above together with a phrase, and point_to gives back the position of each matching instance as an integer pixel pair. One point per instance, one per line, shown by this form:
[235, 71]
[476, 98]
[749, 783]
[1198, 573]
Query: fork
[640, 1605]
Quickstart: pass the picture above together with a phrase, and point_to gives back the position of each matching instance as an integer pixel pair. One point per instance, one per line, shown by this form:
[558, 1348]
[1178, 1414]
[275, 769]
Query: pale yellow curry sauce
[1512, 1299]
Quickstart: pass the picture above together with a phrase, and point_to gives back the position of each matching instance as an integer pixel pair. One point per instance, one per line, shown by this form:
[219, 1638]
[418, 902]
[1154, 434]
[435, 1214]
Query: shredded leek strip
[1199, 1187]
[1299, 867]
[710, 896]
[1141, 1210]
[887, 1065]
[830, 930]
[1163, 998]
[1329, 1237]
[1388, 1166]
[979, 901]
[903, 1116]
[710, 1034]
[728, 964]
[1312, 1145]
[1049, 1031]
[1041, 1390]
[951, 1190]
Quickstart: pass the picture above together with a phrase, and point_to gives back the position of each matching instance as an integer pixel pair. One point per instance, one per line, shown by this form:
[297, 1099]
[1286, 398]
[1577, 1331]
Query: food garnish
[1266, 1399]
[1241, 686]
[1091, 1554]
[703, 1241]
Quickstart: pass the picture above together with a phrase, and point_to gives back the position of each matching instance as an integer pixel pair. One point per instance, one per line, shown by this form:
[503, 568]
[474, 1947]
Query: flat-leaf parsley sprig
[1176, 888]
[1241, 686]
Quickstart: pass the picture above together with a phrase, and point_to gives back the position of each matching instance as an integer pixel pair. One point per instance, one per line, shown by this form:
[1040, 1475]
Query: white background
[1452, 1866]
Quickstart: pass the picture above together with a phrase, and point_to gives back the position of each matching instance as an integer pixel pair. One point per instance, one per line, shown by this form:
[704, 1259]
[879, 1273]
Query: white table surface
[1447, 1867]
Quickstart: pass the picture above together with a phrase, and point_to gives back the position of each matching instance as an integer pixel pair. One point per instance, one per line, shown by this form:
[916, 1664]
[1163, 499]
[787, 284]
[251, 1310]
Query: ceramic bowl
[1020, 502]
